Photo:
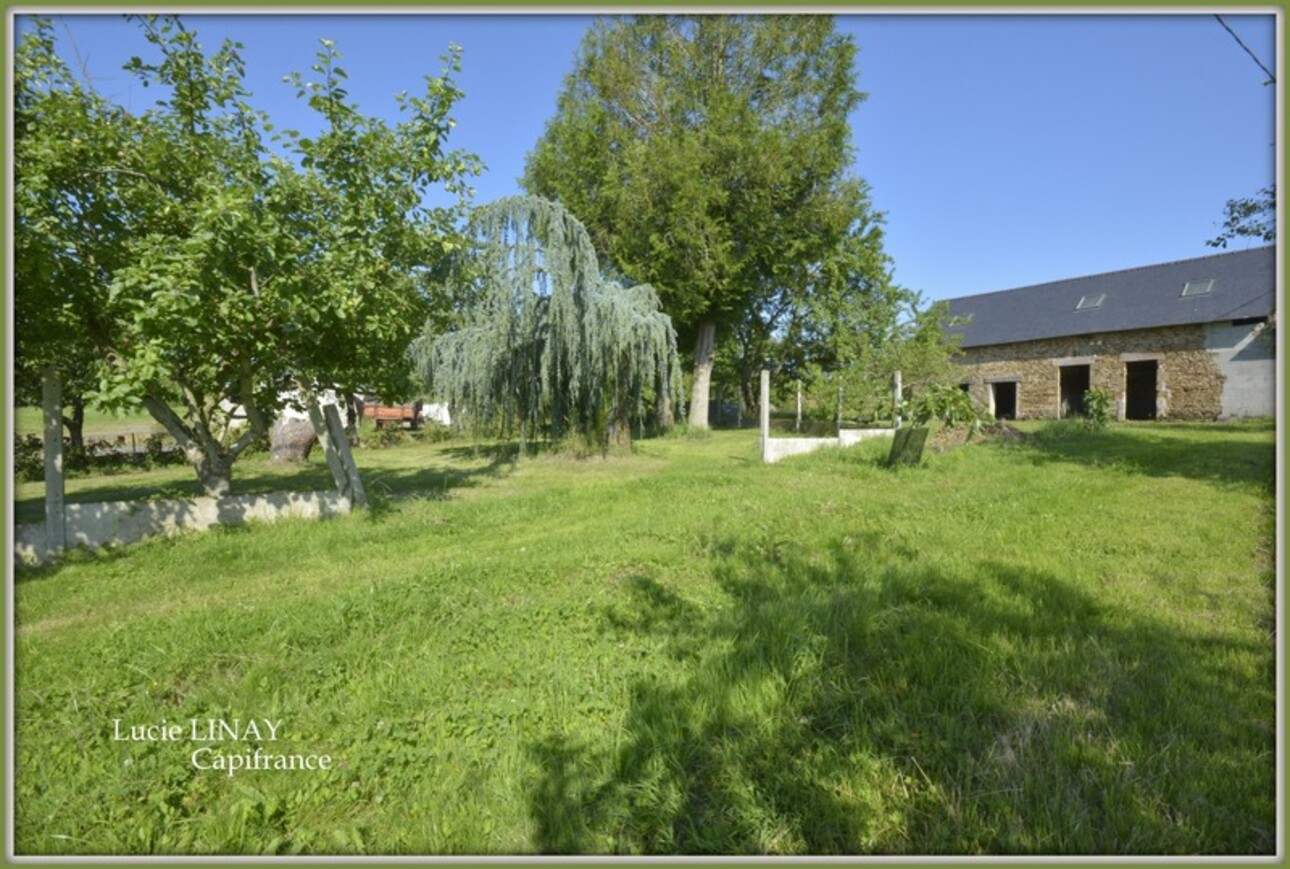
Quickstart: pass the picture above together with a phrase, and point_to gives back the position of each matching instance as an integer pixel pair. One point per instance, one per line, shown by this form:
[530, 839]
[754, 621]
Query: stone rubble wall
[1189, 380]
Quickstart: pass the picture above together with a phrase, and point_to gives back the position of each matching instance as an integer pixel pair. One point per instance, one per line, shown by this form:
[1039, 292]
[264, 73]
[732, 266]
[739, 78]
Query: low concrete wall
[774, 449]
[848, 437]
[120, 522]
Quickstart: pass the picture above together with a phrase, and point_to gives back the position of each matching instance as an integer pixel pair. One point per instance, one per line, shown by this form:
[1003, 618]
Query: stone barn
[1192, 340]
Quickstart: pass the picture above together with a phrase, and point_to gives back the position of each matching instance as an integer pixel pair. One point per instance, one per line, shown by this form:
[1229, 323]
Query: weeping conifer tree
[550, 345]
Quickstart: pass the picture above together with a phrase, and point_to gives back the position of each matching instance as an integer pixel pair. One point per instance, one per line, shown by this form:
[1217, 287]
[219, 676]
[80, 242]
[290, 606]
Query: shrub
[93, 457]
[948, 404]
[1097, 408]
[386, 436]
[28, 458]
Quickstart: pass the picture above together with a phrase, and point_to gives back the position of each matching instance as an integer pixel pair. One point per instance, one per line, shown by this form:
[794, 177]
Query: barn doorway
[1075, 380]
[1140, 389]
[1003, 398]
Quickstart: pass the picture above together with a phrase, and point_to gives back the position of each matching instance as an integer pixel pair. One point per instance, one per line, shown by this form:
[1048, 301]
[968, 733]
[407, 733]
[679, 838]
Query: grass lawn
[99, 425]
[1064, 645]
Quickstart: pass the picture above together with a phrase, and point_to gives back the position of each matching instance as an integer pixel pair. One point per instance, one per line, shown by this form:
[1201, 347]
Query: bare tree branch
[1271, 78]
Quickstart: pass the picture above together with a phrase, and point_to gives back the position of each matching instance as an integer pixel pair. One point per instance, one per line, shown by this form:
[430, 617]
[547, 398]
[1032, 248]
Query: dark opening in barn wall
[1005, 399]
[1075, 380]
[1140, 389]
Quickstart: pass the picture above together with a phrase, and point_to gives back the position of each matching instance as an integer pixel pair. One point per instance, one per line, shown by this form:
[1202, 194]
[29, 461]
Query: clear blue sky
[1005, 150]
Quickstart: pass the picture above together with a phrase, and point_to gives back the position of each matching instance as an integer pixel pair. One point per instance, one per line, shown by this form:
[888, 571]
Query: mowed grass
[1060, 646]
[99, 424]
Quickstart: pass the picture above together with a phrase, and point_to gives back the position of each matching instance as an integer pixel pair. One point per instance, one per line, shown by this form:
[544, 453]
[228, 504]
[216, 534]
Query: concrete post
[896, 398]
[337, 430]
[765, 413]
[338, 472]
[797, 424]
[52, 399]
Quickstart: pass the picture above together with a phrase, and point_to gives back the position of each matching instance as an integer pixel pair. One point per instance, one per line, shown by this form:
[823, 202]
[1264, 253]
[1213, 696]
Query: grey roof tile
[1139, 298]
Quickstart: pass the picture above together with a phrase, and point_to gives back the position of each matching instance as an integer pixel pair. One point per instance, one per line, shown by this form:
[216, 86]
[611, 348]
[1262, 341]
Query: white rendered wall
[1246, 357]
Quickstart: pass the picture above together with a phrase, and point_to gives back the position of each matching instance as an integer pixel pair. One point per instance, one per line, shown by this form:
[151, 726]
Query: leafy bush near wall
[948, 404]
[1097, 408]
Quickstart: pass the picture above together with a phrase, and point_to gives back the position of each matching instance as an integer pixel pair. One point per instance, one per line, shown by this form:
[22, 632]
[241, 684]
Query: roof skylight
[1087, 303]
[1198, 288]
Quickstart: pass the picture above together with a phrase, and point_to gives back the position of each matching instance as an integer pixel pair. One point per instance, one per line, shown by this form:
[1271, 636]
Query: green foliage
[1253, 217]
[93, 456]
[946, 404]
[211, 262]
[433, 433]
[28, 458]
[871, 340]
[389, 435]
[550, 345]
[707, 155]
[1097, 408]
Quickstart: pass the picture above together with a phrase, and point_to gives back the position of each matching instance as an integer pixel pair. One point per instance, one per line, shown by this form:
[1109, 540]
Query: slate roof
[1140, 298]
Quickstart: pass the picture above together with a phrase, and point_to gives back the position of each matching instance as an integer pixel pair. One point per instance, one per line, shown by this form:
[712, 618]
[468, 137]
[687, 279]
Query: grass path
[1062, 646]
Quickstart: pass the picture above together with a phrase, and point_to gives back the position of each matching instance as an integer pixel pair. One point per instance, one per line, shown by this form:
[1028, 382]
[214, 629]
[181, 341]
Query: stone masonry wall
[1189, 382]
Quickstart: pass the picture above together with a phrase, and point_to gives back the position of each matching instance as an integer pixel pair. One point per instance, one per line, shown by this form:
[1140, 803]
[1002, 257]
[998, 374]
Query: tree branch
[171, 422]
[1271, 78]
[133, 173]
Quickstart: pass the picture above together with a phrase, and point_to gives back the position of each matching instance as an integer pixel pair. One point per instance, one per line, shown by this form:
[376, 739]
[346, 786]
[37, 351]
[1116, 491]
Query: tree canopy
[210, 261]
[1253, 217]
[707, 155]
[549, 345]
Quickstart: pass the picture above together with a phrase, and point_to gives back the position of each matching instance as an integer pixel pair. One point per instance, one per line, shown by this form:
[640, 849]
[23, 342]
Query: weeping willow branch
[551, 344]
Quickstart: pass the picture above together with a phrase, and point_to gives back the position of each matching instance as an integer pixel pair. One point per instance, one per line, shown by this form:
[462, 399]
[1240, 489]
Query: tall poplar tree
[707, 155]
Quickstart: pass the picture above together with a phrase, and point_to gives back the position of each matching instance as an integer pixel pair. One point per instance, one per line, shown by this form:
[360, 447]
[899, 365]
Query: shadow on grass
[386, 485]
[859, 702]
[261, 479]
[1214, 452]
[180, 482]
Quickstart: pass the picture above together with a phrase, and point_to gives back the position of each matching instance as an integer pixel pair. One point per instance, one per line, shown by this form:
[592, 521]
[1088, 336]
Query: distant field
[1064, 645]
[30, 420]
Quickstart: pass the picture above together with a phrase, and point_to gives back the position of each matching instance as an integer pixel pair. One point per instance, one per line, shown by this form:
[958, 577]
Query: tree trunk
[213, 465]
[618, 433]
[76, 424]
[703, 353]
[352, 415]
[215, 473]
[663, 411]
[751, 401]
